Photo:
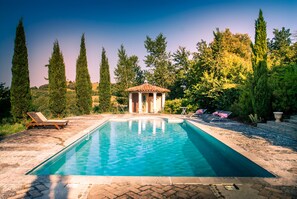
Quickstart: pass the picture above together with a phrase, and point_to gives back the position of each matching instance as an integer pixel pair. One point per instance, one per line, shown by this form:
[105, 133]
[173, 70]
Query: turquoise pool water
[150, 148]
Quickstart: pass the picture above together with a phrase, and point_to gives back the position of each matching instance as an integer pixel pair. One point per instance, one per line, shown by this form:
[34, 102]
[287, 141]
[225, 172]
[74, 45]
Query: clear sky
[110, 23]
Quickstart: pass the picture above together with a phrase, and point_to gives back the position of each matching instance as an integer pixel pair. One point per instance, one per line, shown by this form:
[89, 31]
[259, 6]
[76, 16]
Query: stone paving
[23, 151]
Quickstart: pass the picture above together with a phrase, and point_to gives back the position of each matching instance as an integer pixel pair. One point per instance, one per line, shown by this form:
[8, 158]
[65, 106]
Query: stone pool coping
[278, 160]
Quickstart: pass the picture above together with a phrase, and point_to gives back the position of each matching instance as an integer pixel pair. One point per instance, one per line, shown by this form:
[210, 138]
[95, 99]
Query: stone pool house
[146, 98]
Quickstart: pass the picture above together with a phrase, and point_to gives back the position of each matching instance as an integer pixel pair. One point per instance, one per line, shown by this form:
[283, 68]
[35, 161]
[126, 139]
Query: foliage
[83, 86]
[57, 82]
[161, 71]
[7, 129]
[104, 84]
[127, 74]
[260, 48]
[284, 94]
[279, 46]
[71, 105]
[96, 109]
[218, 70]
[260, 91]
[40, 102]
[20, 95]
[4, 101]
[181, 67]
[71, 85]
[173, 106]
[254, 118]
[243, 106]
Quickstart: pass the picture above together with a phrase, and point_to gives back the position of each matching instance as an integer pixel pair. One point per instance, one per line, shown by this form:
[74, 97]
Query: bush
[282, 81]
[7, 129]
[173, 106]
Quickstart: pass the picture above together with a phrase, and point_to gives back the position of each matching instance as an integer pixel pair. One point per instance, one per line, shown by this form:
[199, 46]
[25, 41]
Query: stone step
[283, 125]
[294, 121]
[278, 129]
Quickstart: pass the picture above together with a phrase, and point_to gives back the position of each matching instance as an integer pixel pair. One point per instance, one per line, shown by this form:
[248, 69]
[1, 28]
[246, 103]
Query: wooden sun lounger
[38, 119]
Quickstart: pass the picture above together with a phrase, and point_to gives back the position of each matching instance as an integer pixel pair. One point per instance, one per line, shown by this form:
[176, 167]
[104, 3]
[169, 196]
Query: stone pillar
[130, 103]
[163, 101]
[155, 103]
[139, 102]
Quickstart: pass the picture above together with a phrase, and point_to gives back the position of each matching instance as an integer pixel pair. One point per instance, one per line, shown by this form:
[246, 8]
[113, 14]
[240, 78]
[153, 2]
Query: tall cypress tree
[57, 82]
[260, 89]
[83, 86]
[104, 84]
[20, 95]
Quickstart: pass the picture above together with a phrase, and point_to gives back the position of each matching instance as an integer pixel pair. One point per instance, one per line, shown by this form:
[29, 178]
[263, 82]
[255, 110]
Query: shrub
[173, 106]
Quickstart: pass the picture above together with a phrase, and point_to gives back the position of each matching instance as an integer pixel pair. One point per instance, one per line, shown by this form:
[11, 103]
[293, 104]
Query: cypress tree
[104, 84]
[83, 83]
[260, 90]
[57, 82]
[20, 96]
[260, 47]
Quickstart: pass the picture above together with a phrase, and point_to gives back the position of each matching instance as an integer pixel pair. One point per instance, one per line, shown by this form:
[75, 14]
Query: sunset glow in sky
[110, 23]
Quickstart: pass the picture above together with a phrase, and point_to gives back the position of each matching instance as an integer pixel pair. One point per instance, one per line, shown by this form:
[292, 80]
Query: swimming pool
[150, 147]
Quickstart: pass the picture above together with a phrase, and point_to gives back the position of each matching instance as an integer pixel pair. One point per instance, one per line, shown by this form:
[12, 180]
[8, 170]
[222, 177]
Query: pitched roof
[146, 87]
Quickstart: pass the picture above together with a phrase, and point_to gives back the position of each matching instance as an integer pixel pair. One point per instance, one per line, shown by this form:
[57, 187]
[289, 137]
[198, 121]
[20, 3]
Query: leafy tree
[57, 82]
[260, 90]
[218, 69]
[182, 65]
[4, 101]
[20, 95]
[160, 70]
[280, 47]
[83, 86]
[139, 74]
[104, 84]
[127, 74]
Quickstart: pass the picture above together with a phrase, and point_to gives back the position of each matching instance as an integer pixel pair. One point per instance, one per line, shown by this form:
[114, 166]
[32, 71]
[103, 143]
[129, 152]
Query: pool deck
[23, 151]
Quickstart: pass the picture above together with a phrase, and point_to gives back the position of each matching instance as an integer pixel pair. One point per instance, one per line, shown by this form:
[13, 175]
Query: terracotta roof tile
[147, 88]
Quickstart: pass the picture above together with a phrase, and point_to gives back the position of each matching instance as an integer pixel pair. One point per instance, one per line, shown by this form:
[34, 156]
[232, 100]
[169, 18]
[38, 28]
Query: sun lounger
[217, 116]
[198, 113]
[38, 119]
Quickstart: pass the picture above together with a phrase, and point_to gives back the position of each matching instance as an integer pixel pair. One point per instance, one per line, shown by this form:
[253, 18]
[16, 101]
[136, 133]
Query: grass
[7, 129]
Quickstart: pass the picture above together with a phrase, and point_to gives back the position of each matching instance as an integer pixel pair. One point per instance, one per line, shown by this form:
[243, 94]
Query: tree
[260, 91]
[4, 101]
[83, 86]
[181, 64]
[218, 69]
[57, 82]
[20, 95]
[126, 74]
[104, 84]
[280, 47]
[160, 70]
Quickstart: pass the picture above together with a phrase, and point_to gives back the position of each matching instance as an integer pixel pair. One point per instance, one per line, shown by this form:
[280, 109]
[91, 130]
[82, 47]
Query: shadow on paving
[44, 188]
[277, 139]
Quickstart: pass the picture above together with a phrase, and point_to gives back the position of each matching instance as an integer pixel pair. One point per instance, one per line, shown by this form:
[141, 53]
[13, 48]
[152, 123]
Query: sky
[110, 23]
